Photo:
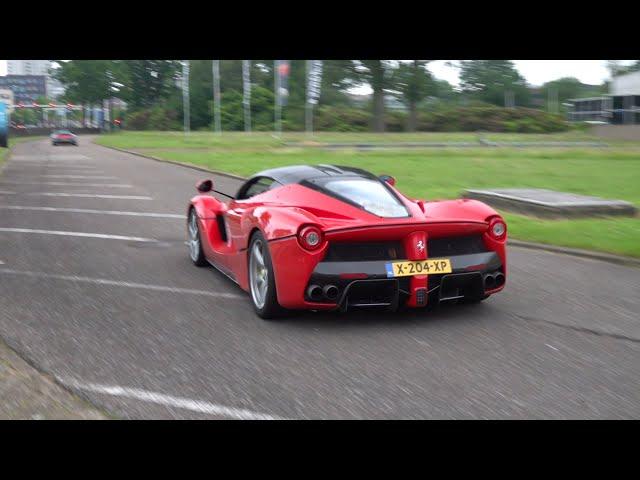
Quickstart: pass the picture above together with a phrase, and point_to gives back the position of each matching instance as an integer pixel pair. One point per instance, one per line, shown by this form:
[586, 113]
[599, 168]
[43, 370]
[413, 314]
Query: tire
[265, 302]
[195, 243]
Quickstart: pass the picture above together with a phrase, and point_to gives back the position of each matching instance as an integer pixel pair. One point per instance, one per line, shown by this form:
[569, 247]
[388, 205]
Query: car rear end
[388, 266]
[59, 138]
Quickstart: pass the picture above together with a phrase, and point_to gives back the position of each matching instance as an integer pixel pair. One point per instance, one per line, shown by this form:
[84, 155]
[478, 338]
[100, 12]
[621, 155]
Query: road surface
[96, 289]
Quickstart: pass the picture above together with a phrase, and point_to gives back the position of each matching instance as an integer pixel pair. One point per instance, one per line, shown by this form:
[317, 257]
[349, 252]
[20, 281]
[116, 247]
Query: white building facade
[620, 107]
[28, 67]
[36, 67]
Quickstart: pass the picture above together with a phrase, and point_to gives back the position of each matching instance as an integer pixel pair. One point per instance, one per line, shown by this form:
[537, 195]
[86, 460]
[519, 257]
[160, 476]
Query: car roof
[300, 173]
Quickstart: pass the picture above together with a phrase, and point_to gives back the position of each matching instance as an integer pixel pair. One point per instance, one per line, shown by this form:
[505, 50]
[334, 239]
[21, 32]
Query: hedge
[473, 118]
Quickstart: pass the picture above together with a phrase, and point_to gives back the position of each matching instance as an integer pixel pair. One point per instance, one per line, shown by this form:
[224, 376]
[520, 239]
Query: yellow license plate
[419, 267]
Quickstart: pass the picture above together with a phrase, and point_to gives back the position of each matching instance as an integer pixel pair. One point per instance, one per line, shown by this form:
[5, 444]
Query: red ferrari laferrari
[330, 237]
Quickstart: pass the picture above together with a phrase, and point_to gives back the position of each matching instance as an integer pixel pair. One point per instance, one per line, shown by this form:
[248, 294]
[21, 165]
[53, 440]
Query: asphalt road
[116, 311]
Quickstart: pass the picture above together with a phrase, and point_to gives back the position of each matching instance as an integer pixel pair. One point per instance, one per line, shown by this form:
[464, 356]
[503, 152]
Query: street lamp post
[277, 106]
[216, 95]
[185, 96]
[246, 100]
[308, 110]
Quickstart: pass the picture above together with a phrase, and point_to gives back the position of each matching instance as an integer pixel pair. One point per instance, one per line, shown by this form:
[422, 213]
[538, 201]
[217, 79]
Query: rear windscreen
[370, 195]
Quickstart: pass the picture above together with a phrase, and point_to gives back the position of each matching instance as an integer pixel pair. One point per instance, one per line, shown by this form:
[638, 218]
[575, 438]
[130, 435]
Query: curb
[605, 257]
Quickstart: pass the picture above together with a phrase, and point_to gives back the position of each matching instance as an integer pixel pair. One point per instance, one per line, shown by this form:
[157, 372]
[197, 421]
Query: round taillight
[310, 238]
[497, 229]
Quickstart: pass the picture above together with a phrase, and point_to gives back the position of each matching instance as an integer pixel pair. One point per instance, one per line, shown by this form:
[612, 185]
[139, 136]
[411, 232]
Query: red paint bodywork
[281, 212]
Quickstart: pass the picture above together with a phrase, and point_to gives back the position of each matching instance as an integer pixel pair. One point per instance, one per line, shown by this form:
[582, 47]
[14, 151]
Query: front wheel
[262, 283]
[195, 244]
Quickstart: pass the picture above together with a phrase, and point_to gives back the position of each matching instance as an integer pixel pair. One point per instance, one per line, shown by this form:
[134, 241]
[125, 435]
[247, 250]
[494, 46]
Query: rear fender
[276, 223]
[462, 208]
[290, 261]
[498, 246]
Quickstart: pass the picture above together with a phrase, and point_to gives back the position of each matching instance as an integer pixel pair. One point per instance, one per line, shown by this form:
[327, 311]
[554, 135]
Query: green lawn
[441, 173]
[241, 140]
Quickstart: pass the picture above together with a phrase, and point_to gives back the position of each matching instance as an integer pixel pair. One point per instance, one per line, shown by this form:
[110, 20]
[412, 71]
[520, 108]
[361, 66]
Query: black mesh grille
[440, 247]
[363, 251]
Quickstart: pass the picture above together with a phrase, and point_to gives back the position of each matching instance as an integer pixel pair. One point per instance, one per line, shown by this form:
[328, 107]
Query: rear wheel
[195, 244]
[262, 283]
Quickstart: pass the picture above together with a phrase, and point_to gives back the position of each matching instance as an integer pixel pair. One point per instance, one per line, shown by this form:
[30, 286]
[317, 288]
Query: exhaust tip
[314, 292]
[330, 291]
[499, 279]
[489, 282]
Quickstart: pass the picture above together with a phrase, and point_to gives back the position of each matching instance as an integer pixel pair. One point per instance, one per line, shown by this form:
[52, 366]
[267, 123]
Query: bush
[155, 118]
[437, 118]
[490, 118]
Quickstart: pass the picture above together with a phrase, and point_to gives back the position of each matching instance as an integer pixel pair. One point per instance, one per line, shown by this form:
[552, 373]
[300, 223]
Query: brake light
[310, 237]
[497, 228]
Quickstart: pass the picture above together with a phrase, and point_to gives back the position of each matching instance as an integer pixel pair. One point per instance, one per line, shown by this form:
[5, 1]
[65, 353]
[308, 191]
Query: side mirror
[204, 186]
[389, 179]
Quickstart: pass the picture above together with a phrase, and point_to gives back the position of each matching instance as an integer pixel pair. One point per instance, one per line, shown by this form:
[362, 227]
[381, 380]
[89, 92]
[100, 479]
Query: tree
[413, 82]
[337, 78]
[147, 82]
[86, 81]
[490, 80]
[616, 68]
[566, 88]
[377, 74]
[201, 93]
[231, 88]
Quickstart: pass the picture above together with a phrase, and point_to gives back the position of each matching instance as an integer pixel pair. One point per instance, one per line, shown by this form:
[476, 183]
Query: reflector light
[310, 237]
[349, 276]
[497, 228]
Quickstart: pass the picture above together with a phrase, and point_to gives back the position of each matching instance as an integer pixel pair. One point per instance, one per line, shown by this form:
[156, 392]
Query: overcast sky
[536, 72]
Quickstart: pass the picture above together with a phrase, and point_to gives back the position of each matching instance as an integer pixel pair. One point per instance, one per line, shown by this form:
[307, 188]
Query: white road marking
[34, 172]
[71, 184]
[551, 347]
[95, 177]
[76, 234]
[88, 195]
[86, 210]
[118, 283]
[168, 400]
[49, 165]
[40, 157]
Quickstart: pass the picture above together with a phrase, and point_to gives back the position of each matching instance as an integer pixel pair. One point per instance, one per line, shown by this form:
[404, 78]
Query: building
[6, 96]
[37, 67]
[25, 88]
[28, 67]
[620, 107]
